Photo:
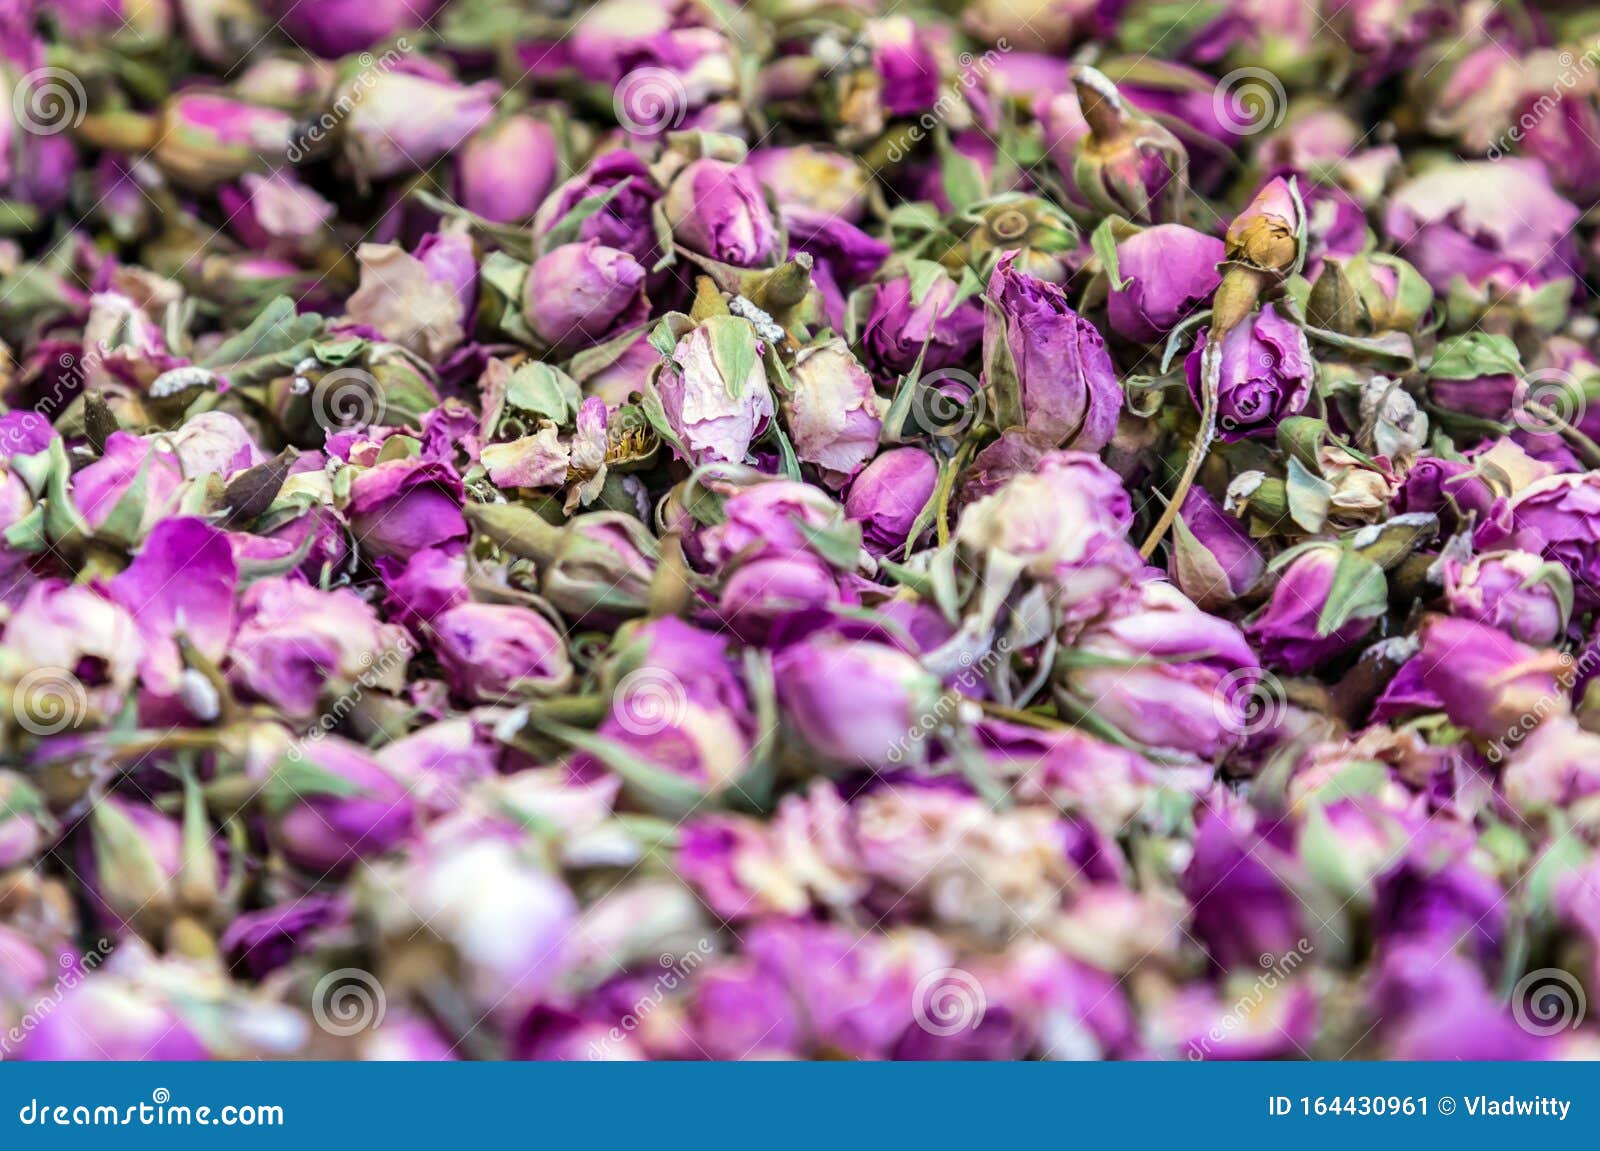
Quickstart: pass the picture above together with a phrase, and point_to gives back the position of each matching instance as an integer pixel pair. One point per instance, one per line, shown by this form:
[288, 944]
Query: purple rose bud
[403, 506]
[295, 641]
[1066, 522]
[1551, 771]
[1563, 140]
[855, 703]
[824, 183]
[720, 210]
[76, 656]
[441, 763]
[1434, 1004]
[578, 294]
[888, 495]
[1304, 625]
[214, 443]
[768, 518]
[334, 28]
[1489, 683]
[1559, 518]
[208, 138]
[25, 970]
[1213, 559]
[258, 943]
[1239, 882]
[680, 704]
[739, 1011]
[1452, 223]
[330, 804]
[130, 487]
[275, 214]
[1127, 164]
[504, 172]
[599, 562]
[182, 583]
[1268, 233]
[623, 182]
[1517, 592]
[904, 59]
[843, 256]
[1450, 489]
[832, 411]
[496, 651]
[1164, 672]
[402, 122]
[131, 863]
[909, 312]
[1047, 365]
[714, 391]
[1435, 895]
[1266, 375]
[106, 1015]
[1163, 275]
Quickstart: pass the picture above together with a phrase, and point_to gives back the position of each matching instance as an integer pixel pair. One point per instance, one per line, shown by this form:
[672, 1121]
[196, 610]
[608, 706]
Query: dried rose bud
[720, 210]
[1128, 164]
[833, 414]
[506, 169]
[578, 294]
[713, 391]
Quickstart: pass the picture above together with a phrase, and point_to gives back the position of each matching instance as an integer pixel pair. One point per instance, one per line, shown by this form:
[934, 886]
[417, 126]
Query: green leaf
[544, 390]
[838, 543]
[1310, 496]
[275, 340]
[1359, 591]
[923, 275]
[1473, 355]
[962, 178]
[1104, 242]
[733, 349]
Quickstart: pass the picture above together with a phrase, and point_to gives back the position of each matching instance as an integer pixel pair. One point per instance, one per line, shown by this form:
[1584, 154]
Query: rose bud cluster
[681, 531]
